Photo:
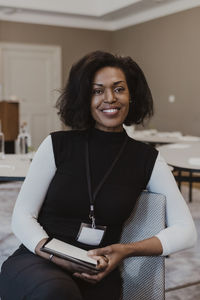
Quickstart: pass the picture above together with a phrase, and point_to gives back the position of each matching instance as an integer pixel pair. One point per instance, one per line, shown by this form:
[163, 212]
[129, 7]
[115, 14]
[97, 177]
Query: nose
[109, 96]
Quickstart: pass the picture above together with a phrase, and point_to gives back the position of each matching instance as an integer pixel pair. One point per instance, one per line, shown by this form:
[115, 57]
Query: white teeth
[110, 110]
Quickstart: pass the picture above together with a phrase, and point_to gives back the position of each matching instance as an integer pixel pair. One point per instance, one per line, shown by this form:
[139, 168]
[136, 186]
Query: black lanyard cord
[92, 196]
[88, 173]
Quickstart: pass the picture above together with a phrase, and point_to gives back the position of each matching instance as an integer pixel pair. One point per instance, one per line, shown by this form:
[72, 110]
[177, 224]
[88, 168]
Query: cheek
[95, 101]
[93, 107]
[127, 106]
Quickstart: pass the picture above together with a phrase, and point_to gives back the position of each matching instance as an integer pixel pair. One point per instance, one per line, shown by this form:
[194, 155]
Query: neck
[110, 129]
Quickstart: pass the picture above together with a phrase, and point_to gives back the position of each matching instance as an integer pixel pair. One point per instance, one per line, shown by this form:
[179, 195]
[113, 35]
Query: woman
[94, 175]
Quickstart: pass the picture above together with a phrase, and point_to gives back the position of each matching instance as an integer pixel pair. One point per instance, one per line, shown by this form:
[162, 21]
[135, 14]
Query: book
[69, 252]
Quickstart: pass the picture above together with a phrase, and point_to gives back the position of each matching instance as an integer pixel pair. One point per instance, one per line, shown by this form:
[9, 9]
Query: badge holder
[90, 235]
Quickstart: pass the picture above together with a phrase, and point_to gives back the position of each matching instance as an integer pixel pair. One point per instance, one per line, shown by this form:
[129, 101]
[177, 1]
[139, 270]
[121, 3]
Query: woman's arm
[179, 234]
[31, 197]
[28, 204]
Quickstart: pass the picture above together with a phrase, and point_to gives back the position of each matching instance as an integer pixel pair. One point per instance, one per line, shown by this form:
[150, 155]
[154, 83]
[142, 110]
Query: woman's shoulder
[64, 142]
[67, 133]
[65, 138]
[141, 146]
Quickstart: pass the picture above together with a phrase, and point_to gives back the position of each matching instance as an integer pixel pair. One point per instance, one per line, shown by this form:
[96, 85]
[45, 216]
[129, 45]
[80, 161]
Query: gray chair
[144, 277]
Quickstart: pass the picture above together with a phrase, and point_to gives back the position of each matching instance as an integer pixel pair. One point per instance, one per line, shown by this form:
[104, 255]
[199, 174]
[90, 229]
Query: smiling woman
[127, 80]
[83, 184]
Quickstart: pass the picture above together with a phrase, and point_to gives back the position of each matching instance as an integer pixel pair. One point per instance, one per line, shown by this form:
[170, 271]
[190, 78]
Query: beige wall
[168, 50]
[74, 42]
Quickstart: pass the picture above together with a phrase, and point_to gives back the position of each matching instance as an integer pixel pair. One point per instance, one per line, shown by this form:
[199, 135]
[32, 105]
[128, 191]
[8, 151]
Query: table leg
[190, 186]
[179, 180]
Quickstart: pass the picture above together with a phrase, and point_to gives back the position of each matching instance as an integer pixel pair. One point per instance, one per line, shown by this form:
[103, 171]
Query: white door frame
[56, 83]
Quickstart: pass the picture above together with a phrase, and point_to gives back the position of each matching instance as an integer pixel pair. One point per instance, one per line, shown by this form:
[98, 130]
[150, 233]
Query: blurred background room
[41, 39]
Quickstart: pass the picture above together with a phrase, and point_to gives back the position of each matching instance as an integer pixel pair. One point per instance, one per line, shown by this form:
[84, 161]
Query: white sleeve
[180, 232]
[31, 196]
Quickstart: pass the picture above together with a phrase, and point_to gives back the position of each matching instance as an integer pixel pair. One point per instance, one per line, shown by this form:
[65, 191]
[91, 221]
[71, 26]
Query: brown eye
[119, 89]
[97, 92]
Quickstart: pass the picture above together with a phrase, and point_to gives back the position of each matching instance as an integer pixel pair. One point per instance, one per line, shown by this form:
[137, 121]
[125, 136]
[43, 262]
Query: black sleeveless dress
[66, 204]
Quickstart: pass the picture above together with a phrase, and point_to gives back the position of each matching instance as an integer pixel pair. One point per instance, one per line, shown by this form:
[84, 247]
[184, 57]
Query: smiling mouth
[110, 110]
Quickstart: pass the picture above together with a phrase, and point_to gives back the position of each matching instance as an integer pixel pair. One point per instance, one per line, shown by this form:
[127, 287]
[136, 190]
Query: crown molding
[109, 22]
[155, 13]
[92, 8]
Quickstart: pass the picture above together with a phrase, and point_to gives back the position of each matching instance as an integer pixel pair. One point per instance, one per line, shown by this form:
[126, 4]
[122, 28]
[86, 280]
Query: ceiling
[91, 14]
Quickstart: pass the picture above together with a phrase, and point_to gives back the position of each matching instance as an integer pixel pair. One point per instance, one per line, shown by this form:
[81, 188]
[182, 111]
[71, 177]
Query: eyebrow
[115, 83]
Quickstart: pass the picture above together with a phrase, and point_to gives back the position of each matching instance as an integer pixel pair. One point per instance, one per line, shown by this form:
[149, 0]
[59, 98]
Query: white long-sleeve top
[179, 234]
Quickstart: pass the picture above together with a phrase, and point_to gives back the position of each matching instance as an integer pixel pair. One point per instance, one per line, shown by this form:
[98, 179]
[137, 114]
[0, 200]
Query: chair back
[144, 276]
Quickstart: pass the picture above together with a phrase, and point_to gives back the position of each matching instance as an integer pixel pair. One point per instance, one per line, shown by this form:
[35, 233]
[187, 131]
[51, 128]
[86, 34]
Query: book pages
[69, 250]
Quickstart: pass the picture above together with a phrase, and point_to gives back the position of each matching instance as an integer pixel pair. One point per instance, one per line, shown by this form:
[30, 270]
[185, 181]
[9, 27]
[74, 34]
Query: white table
[159, 138]
[183, 157]
[14, 167]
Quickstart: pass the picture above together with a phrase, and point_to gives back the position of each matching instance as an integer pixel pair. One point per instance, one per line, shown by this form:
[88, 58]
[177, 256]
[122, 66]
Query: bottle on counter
[23, 140]
[2, 143]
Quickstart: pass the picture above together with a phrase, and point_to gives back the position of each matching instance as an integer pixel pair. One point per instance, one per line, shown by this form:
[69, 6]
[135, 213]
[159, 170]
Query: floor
[182, 269]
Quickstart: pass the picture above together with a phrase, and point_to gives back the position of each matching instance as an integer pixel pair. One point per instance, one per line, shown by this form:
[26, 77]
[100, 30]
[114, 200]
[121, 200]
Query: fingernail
[91, 252]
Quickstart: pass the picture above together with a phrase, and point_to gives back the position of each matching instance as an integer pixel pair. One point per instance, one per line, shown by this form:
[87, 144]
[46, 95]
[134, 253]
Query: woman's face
[110, 99]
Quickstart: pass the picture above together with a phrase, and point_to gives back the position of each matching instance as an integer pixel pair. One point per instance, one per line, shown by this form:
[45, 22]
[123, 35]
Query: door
[31, 74]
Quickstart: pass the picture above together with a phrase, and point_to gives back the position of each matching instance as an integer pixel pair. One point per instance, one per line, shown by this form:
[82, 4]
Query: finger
[87, 270]
[94, 278]
[78, 275]
[85, 278]
[99, 251]
[102, 263]
[106, 259]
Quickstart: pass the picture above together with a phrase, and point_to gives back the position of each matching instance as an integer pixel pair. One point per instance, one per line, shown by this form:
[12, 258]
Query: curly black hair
[74, 102]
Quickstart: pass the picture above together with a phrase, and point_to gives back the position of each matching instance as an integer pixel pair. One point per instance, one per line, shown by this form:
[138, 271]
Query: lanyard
[92, 196]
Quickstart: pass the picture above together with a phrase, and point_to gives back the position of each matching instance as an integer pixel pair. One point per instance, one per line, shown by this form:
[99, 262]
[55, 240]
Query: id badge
[90, 236]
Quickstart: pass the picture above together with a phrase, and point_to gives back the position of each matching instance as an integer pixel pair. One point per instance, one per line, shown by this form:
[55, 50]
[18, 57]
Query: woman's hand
[117, 252]
[70, 266]
[76, 268]
[114, 255]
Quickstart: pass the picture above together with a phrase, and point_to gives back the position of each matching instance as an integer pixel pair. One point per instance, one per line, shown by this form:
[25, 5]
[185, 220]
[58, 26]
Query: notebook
[69, 252]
